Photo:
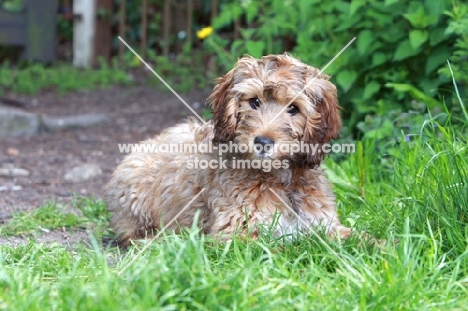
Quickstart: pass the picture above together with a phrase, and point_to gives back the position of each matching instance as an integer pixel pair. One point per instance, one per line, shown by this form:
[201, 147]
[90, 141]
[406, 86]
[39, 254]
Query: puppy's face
[272, 104]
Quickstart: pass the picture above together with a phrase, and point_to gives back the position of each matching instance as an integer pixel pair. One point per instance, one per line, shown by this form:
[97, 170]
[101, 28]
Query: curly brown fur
[148, 190]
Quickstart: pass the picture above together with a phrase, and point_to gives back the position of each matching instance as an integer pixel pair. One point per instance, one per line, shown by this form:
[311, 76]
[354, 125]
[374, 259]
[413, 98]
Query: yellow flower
[204, 32]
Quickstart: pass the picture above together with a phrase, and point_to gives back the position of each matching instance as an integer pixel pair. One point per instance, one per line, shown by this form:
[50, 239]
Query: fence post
[122, 27]
[41, 27]
[83, 32]
[189, 23]
[166, 26]
[103, 34]
[214, 10]
[144, 26]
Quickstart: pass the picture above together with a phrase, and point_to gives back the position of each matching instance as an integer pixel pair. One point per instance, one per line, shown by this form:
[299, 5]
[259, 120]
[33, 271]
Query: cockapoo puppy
[275, 104]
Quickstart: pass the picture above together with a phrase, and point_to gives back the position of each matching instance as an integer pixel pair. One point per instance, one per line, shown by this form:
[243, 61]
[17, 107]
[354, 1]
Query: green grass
[62, 77]
[421, 200]
[46, 217]
[51, 216]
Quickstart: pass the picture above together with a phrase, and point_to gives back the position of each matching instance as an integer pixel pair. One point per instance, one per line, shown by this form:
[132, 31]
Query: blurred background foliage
[390, 80]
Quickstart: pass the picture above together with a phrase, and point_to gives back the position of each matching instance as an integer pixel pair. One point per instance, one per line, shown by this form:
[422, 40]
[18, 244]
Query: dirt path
[135, 113]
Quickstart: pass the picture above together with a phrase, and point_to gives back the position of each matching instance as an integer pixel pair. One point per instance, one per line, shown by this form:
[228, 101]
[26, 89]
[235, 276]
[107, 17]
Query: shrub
[458, 26]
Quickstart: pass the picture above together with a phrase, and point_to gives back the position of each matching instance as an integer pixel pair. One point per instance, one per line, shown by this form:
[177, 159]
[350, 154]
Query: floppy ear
[325, 123]
[224, 109]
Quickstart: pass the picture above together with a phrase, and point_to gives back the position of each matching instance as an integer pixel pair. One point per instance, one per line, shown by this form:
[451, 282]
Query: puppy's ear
[224, 109]
[324, 123]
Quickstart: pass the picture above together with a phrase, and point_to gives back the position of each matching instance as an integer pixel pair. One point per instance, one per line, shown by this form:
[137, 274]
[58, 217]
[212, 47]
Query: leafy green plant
[389, 131]
[458, 26]
[64, 78]
[181, 72]
[13, 5]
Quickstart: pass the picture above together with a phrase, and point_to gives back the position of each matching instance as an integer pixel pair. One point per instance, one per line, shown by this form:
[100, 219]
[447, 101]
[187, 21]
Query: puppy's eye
[254, 103]
[292, 110]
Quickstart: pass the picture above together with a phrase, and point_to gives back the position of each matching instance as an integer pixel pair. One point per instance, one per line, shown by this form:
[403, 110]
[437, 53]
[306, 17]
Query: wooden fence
[177, 16]
[33, 28]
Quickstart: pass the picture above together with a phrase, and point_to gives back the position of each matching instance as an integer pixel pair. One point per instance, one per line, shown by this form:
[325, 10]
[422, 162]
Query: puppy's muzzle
[263, 145]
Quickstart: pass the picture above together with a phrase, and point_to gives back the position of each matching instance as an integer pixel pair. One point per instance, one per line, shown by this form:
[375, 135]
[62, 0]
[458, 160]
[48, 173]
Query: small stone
[4, 215]
[121, 121]
[12, 152]
[196, 105]
[83, 172]
[12, 188]
[66, 122]
[63, 193]
[43, 229]
[13, 172]
[15, 122]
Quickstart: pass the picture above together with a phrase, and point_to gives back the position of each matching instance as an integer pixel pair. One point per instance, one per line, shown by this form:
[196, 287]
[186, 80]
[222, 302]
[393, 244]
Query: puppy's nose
[262, 140]
[263, 143]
